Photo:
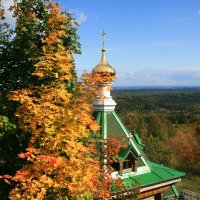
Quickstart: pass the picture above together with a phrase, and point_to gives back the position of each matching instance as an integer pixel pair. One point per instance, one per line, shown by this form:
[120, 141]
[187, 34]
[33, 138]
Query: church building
[156, 181]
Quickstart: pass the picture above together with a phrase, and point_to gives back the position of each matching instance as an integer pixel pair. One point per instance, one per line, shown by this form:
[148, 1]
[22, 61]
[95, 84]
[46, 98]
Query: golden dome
[103, 67]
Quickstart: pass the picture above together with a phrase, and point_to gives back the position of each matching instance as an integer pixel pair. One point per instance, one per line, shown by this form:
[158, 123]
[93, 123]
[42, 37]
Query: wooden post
[120, 168]
[159, 196]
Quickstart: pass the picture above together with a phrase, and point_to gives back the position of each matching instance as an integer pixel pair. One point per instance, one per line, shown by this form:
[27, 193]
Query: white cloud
[159, 77]
[82, 18]
[79, 16]
[198, 12]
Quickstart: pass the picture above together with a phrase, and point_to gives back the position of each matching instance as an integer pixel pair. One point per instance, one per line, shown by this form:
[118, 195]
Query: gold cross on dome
[104, 38]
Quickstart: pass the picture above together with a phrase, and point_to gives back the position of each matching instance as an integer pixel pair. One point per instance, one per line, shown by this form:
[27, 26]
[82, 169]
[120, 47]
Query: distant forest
[168, 122]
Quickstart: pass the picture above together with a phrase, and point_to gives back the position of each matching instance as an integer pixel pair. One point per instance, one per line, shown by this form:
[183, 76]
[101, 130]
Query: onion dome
[103, 68]
[105, 72]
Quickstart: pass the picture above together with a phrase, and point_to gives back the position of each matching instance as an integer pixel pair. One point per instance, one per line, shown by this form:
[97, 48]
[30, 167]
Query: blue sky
[148, 42]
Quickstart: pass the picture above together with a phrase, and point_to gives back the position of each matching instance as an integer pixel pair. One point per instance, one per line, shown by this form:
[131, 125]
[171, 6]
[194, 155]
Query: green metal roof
[158, 174]
[137, 139]
[112, 125]
[124, 152]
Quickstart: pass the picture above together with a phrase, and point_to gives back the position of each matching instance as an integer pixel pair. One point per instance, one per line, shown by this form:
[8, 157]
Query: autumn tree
[20, 47]
[185, 149]
[110, 185]
[60, 157]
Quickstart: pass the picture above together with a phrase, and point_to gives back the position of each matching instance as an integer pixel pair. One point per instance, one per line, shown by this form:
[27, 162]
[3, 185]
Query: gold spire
[103, 67]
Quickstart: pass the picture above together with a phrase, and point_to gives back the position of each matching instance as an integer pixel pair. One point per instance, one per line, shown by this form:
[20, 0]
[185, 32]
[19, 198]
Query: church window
[129, 164]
